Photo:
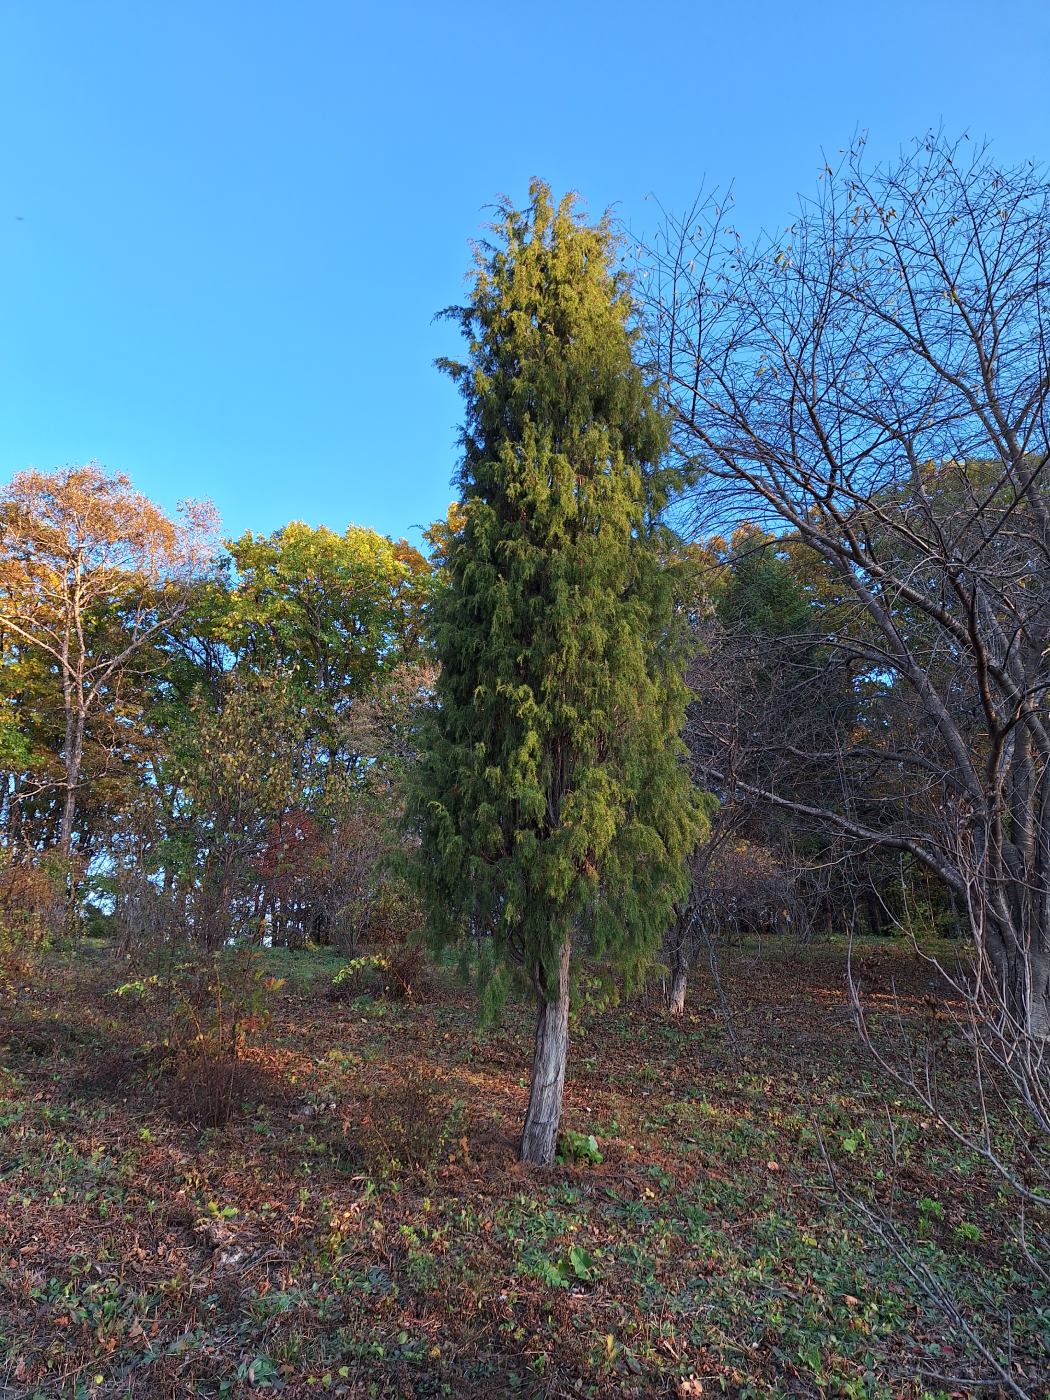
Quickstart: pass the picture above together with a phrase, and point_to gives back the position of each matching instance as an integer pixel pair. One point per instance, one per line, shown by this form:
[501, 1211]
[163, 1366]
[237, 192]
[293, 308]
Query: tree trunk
[676, 999]
[540, 1135]
[873, 908]
[72, 759]
[679, 968]
[679, 956]
[1026, 992]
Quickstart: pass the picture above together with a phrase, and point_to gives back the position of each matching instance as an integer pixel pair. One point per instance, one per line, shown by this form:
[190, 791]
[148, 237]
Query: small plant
[394, 974]
[930, 1211]
[574, 1266]
[357, 977]
[138, 992]
[852, 1143]
[578, 1147]
[966, 1232]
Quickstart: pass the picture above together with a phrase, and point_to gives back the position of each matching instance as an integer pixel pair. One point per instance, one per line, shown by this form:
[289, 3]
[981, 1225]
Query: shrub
[395, 916]
[206, 1009]
[219, 1001]
[31, 914]
[357, 977]
[395, 973]
[404, 967]
[405, 1127]
[207, 1089]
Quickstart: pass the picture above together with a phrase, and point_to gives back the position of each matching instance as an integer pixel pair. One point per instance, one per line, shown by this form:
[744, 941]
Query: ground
[706, 1254]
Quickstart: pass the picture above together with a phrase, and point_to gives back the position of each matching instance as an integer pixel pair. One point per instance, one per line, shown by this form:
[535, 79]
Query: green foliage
[551, 798]
[139, 990]
[931, 1212]
[395, 974]
[330, 611]
[579, 1147]
[574, 1266]
[15, 751]
[356, 973]
[763, 591]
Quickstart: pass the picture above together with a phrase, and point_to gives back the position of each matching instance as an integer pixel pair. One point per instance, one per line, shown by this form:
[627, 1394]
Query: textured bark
[676, 1000]
[540, 1136]
[1038, 1008]
[679, 953]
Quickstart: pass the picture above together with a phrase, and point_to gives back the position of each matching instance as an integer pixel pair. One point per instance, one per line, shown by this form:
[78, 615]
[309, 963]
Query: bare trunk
[1017, 946]
[65, 838]
[679, 967]
[679, 955]
[873, 909]
[540, 1135]
[72, 761]
[676, 1000]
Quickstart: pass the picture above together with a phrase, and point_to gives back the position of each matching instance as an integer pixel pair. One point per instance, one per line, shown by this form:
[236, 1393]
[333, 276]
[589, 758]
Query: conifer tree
[552, 803]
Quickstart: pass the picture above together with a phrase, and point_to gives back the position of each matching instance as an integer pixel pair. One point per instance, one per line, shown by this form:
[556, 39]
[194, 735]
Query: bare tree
[874, 381]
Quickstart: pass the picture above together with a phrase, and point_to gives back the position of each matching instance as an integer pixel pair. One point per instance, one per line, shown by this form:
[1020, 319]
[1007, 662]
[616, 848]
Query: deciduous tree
[90, 572]
[876, 381]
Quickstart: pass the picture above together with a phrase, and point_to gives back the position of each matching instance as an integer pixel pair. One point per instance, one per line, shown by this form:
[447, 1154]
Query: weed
[578, 1147]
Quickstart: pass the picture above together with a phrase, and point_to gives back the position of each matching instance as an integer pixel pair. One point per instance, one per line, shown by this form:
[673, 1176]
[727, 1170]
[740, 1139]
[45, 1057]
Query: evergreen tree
[553, 806]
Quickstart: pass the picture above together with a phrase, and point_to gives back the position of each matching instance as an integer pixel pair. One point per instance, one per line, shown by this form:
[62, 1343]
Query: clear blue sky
[225, 225]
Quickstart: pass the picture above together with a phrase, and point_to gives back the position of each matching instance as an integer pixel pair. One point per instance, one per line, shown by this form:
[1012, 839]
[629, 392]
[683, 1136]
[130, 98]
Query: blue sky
[225, 226]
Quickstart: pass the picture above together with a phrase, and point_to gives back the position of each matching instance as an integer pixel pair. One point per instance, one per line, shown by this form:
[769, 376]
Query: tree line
[205, 741]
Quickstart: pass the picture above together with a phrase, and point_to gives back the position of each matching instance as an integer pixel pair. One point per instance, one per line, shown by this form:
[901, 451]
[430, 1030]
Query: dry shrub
[405, 966]
[208, 1008]
[208, 1089]
[405, 1127]
[110, 1070]
[32, 1041]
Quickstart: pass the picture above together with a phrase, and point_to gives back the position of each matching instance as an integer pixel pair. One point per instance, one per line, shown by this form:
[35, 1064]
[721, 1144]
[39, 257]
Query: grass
[705, 1253]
